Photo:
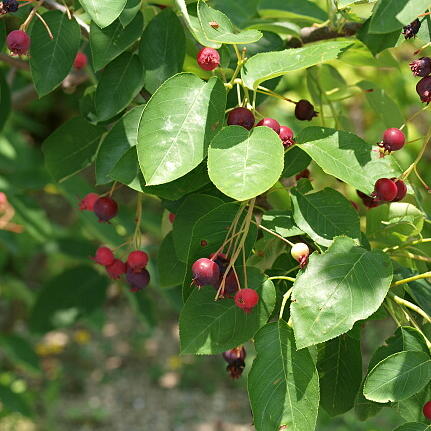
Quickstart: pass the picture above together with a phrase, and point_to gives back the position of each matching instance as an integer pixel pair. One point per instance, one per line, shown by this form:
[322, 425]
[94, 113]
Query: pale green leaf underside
[103, 12]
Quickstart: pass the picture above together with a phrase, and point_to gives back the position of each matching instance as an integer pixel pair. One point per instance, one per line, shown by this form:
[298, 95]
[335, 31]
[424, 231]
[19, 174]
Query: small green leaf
[129, 12]
[240, 12]
[71, 148]
[377, 43]
[292, 9]
[244, 164]
[281, 222]
[171, 269]
[19, 351]
[295, 161]
[102, 12]
[283, 383]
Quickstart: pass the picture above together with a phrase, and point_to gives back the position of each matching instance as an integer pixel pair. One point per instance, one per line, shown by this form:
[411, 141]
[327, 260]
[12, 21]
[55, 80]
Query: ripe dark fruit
[402, 189]
[10, 6]
[116, 269]
[231, 286]
[246, 299]
[221, 260]
[300, 253]
[105, 208]
[137, 260]
[137, 280]
[205, 272]
[88, 201]
[385, 190]
[271, 123]
[421, 67]
[104, 256]
[286, 136]
[427, 410]
[235, 359]
[18, 42]
[304, 110]
[241, 117]
[368, 201]
[393, 139]
[423, 88]
[303, 174]
[80, 61]
[208, 58]
[411, 29]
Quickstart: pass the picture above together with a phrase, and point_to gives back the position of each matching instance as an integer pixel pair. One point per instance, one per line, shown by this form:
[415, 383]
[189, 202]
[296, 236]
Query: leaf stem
[286, 296]
[272, 233]
[282, 277]
[407, 244]
[408, 304]
[410, 279]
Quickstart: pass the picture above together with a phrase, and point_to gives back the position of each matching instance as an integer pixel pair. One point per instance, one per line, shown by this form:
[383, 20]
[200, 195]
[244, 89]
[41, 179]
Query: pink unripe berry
[241, 117]
[385, 190]
[80, 61]
[137, 260]
[208, 58]
[104, 256]
[116, 269]
[87, 202]
[427, 410]
[205, 272]
[18, 42]
[286, 136]
[393, 139]
[137, 280]
[246, 299]
[105, 208]
[300, 253]
[271, 123]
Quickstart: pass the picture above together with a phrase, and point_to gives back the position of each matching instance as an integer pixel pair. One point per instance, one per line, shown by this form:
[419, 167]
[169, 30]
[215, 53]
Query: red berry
[421, 67]
[18, 42]
[393, 139]
[104, 256]
[116, 269]
[286, 135]
[87, 202]
[402, 189]
[271, 123]
[80, 61]
[205, 271]
[241, 117]
[423, 88]
[304, 110]
[427, 410]
[368, 201]
[300, 253]
[246, 299]
[137, 260]
[208, 58]
[303, 174]
[172, 217]
[385, 190]
[105, 208]
[137, 280]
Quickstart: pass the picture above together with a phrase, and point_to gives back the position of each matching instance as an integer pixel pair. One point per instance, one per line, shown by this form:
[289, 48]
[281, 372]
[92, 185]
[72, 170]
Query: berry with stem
[300, 253]
[137, 260]
[286, 135]
[18, 42]
[246, 299]
[385, 190]
[368, 201]
[393, 139]
[208, 58]
[304, 110]
[241, 117]
[236, 361]
[105, 208]
[205, 272]
[421, 67]
[271, 123]
[104, 256]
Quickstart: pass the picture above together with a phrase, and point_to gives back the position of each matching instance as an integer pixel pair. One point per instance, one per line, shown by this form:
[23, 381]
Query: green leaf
[398, 377]
[240, 12]
[173, 142]
[244, 164]
[129, 12]
[324, 215]
[283, 383]
[377, 43]
[292, 9]
[14, 402]
[108, 43]
[52, 59]
[345, 156]
[117, 142]
[391, 15]
[339, 363]
[414, 426]
[295, 161]
[62, 300]
[411, 408]
[346, 277]
[281, 222]
[71, 148]
[171, 269]
[382, 104]
[5, 101]
[162, 49]
[225, 32]
[19, 351]
[208, 327]
[119, 84]
[103, 13]
[264, 66]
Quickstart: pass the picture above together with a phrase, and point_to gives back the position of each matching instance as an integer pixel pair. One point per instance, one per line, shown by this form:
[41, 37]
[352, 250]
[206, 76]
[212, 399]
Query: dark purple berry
[303, 174]
[286, 136]
[231, 286]
[421, 67]
[385, 190]
[368, 201]
[205, 272]
[208, 58]
[235, 359]
[137, 280]
[411, 30]
[304, 110]
[221, 260]
[393, 139]
[10, 5]
[423, 88]
[241, 117]
[402, 189]
[18, 42]
[271, 123]
[105, 208]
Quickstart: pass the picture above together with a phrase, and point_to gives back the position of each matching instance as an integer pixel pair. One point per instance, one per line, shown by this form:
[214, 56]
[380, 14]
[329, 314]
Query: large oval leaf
[269, 65]
[338, 288]
[244, 164]
[52, 59]
[414, 426]
[283, 383]
[177, 126]
[398, 377]
[103, 12]
[302, 9]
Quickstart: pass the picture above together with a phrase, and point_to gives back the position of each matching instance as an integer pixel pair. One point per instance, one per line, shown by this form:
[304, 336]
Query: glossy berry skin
[205, 272]
[286, 135]
[246, 299]
[304, 110]
[208, 58]
[423, 88]
[393, 139]
[88, 201]
[80, 61]
[116, 269]
[401, 190]
[241, 117]
[137, 280]
[427, 410]
[271, 123]
[105, 209]
[421, 67]
[18, 42]
[300, 253]
[385, 190]
[137, 260]
[104, 256]
[411, 30]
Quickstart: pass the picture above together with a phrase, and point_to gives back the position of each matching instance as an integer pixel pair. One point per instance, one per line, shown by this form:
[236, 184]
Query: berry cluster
[235, 359]
[244, 117]
[385, 190]
[104, 207]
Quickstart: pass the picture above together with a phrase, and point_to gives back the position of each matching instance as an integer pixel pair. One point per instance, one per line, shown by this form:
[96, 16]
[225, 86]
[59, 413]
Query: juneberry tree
[285, 144]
